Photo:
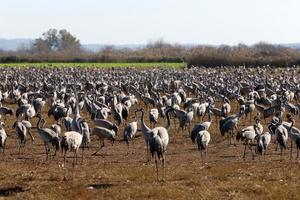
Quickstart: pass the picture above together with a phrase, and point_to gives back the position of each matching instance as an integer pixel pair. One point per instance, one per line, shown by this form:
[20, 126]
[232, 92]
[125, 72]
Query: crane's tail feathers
[281, 141]
[260, 147]
[298, 143]
[193, 136]
[264, 143]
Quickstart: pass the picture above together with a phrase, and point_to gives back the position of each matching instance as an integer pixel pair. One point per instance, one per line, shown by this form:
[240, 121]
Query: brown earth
[223, 174]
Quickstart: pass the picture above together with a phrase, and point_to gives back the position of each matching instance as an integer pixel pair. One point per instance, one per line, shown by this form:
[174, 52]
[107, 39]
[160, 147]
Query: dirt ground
[115, 174]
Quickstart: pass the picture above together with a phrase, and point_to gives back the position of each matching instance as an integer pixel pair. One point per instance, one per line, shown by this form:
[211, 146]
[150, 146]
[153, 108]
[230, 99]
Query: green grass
[100, 65]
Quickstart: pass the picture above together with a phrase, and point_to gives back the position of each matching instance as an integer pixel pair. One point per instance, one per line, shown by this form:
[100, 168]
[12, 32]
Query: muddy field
[115, 174]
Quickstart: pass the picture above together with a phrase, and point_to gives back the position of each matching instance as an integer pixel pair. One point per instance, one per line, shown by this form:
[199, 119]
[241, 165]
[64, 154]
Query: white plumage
[71, 141]
[56, 128]
[153, 116]
[281, 137]
[130, 131]
[203, 139]
[85, 130]
[3, 137]
[263, 141]
[248, 136]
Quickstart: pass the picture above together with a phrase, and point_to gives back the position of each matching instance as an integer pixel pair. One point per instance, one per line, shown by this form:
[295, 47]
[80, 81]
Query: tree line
[61, 46]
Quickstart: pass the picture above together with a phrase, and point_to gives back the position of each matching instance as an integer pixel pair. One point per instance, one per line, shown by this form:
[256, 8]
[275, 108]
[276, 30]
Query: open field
[97, 65]
[119, 173]
[116, 175]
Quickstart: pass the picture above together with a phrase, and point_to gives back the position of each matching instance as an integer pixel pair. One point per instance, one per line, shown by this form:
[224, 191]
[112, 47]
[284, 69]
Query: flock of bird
[185, 98]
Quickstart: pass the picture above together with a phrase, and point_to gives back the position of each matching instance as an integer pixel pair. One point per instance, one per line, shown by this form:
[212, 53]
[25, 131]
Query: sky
[141, 21]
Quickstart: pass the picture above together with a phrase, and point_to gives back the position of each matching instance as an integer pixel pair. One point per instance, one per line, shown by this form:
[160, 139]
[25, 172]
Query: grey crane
[203, 139]
[248, 136]
[227, 125]
[103, 133]
[86, 132]
[200, 127]
[294, 134]
[71, 141]
[21, 133]
[185, 118]
[281, 137]
[6, 111]
[48, 136]
[3, 137]
[130, 130]
[262, 140]
[146, 130]
[106, 124]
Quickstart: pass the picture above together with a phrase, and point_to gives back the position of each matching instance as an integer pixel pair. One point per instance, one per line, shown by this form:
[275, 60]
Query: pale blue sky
[139, 21]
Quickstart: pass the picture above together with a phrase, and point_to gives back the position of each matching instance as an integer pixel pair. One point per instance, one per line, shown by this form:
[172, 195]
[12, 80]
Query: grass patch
[98, 65]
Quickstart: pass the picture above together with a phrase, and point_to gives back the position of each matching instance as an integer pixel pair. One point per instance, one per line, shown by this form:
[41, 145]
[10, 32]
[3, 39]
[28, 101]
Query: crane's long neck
[77, 111]
[280, 119]
[68, 111]
[270, 129]
[292, 124]
[135, 117]
[80, 127]
[168, 119]
[144, 126]
[255, 129]
[39, 123]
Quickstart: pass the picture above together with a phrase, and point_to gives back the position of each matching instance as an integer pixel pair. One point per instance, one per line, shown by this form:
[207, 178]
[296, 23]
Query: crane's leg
[148, 153]
[100, 147]
[74, 158]
[3, 152]
[163, 165]
[201, 154]
[250, 147]
[281, 153]
[82, 153]
[128, 149]
[31, 136]
[291, 149]
[156, 167]
[54, 154]
[24, 146]
[265, 151]
[20, 148]
[46, 149]
[65, 154]
[244, 156]
[132, 146]
[228, 138]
